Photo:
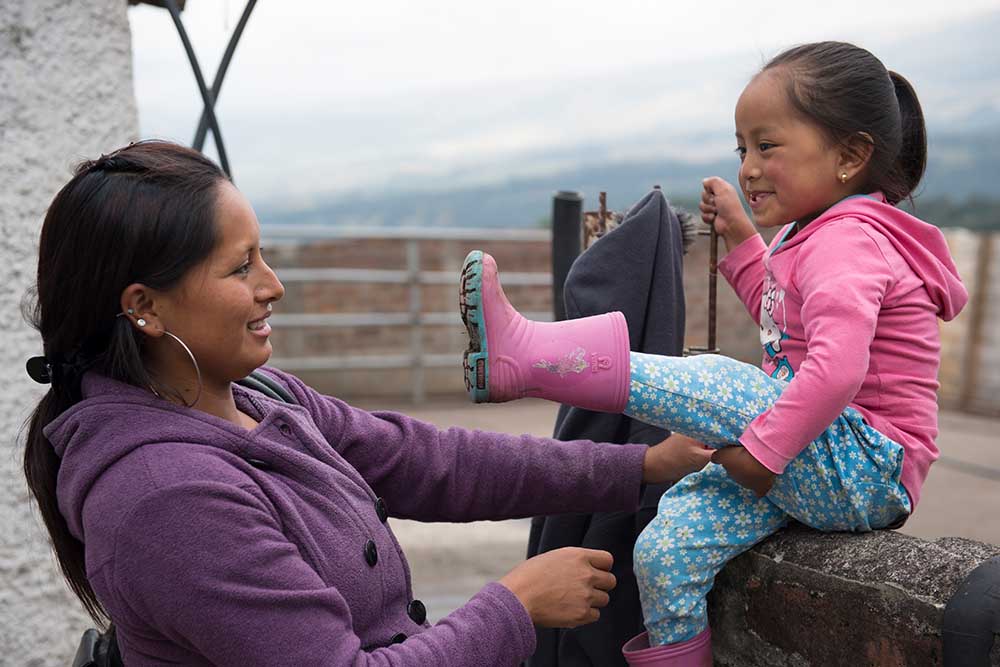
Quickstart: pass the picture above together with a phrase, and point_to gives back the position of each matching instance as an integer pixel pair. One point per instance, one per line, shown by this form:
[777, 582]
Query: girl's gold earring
[843, 177]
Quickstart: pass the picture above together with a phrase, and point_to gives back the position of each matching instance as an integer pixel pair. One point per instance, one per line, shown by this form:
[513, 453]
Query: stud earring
[141, 322]
[843, 177]
[131, 311]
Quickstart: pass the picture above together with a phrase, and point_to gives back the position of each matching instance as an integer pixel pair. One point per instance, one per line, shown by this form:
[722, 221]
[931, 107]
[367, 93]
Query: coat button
[258, 464]
[417, 612]
[371, 553]
[381, 510]
[285, 429]
[398, 638]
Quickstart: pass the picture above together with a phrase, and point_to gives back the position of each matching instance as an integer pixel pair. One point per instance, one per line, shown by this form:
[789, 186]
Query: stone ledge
[803, 598]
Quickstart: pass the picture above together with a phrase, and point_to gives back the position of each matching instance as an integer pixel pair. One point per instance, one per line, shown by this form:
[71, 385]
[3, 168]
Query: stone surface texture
[66, 94]
[803, 598]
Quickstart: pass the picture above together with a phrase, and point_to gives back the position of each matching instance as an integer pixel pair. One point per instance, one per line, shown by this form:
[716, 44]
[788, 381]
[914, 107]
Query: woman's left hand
[745, 469]
[674, 458]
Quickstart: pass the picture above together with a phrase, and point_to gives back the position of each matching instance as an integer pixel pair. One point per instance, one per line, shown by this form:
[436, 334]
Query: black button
[260, 465]
[285, 429]
[417, 612]
[398, 638]
[371, 553]
[381, 510]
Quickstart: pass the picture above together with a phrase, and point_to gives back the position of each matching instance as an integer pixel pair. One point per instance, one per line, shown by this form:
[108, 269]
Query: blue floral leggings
[845, 480]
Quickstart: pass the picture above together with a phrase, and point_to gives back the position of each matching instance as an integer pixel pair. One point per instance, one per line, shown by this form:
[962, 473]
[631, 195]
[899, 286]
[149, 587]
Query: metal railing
[416, 359]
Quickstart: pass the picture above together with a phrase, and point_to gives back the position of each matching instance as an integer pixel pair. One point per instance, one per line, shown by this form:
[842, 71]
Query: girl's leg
[703, 522]
[846, 479]
[708, 397]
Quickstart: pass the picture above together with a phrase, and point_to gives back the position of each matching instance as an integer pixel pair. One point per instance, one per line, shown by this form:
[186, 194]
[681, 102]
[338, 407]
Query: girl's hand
[720, 206]
[563, 588]
[674, 458]
[745, 469]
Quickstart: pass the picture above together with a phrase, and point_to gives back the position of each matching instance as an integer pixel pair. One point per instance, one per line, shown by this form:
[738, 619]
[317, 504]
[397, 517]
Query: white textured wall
[65, 94]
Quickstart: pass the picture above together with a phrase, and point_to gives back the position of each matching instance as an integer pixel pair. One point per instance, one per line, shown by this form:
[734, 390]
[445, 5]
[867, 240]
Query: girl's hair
[144, 213]
[848, 92]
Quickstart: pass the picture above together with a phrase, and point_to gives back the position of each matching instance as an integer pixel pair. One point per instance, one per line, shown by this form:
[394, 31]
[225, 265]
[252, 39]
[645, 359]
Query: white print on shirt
[771, 334]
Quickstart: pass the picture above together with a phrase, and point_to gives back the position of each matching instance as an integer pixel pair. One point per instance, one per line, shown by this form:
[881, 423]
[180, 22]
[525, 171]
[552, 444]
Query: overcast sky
[323, 78]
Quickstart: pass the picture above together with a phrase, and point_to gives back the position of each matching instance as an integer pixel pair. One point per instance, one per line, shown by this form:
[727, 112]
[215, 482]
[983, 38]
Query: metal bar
[977, 322]
[293, 275]
[364, 362]
[416, 330]
[713, 272]
[343, 320]
[567, 208]
[206, 95]
[273, 232]
[220, 74]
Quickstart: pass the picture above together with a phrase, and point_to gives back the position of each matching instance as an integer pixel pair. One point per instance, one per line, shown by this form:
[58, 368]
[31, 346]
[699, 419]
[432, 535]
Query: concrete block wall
[970, 344]
[65, 94]
[970, 366]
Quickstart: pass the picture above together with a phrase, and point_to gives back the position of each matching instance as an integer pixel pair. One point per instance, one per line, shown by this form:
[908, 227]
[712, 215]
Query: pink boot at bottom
[695, 652]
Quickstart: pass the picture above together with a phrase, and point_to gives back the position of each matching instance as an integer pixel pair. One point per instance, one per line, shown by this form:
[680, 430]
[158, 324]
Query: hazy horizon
[451, 95]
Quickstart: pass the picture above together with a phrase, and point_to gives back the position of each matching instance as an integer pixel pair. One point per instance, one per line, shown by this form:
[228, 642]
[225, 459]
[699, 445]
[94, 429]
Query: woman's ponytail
[41, 470]
[912, 159]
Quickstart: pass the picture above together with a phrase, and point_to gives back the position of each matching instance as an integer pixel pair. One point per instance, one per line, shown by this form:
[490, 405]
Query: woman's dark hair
[848, 92]
[144, 213]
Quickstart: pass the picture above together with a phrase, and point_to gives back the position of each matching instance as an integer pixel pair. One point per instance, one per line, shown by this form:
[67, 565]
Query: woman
[214, 525]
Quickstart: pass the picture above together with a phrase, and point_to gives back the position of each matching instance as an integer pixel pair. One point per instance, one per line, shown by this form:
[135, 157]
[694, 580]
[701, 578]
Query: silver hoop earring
[194, 361]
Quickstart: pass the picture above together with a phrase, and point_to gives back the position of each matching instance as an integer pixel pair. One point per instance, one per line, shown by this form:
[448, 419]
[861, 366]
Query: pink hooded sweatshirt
[848, 311]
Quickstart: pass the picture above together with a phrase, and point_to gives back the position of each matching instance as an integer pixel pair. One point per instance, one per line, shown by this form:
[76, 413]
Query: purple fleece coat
[211, 544]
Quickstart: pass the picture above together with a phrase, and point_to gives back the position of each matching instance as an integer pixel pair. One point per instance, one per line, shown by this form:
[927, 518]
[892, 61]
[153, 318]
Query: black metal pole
[567, 209]
[220, 74]
[206, 94]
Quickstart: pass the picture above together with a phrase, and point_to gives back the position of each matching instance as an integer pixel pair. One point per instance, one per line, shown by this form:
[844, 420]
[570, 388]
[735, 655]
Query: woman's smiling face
[220, 308]
[789, 170]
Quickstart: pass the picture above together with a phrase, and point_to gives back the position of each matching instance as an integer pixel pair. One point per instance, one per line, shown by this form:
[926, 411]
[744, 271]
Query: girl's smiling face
[789, 170]
[220, 308]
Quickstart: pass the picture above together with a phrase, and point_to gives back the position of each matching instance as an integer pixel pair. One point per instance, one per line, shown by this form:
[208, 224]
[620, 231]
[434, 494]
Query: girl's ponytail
[849, 94]
[912, 160]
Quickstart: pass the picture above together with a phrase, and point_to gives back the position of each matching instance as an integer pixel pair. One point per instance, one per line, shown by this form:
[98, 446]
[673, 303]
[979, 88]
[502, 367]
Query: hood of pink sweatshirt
[921, 244]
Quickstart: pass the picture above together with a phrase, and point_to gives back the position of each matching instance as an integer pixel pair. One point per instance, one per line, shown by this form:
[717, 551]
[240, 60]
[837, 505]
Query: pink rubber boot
[582, 362]
[695, 652]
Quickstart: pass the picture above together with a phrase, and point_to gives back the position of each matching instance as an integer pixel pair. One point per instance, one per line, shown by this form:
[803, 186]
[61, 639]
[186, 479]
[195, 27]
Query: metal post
[206, 94]
[416, 322]
[220, 73]
[567, 208]
[713, 272]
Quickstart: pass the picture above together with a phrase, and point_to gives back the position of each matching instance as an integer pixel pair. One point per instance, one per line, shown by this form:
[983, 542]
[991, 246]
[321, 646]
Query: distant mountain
[961, 165]
[494, 156]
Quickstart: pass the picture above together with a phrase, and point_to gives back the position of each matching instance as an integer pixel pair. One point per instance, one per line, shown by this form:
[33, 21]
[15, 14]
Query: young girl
[217, 526]
[838, 429]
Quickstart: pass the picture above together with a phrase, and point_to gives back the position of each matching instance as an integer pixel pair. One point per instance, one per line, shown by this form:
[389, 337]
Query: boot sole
[475, 361]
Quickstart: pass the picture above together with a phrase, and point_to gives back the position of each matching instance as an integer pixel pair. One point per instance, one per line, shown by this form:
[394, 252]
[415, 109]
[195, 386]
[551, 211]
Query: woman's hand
[745, 469]
[674, 458]
[720, 206]
[563, 588]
